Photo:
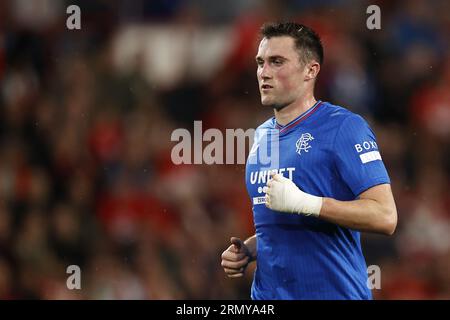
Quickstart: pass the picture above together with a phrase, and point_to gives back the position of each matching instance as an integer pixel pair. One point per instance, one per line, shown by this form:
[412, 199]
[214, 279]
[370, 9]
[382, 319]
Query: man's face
[280, 72]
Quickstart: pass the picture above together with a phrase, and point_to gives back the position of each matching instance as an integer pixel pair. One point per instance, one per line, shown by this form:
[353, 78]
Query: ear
[312, 70]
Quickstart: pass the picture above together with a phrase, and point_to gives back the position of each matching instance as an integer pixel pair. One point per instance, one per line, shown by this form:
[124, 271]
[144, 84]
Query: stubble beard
[277, 105]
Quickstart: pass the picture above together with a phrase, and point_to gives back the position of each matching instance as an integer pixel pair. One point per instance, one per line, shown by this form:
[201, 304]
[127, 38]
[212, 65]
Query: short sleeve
[358, 159]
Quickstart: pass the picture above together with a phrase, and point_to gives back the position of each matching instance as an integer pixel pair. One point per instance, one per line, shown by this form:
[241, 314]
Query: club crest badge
[303, 143]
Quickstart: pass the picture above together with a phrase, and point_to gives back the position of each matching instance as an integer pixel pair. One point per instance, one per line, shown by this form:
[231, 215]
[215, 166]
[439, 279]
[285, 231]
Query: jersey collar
[299, 119]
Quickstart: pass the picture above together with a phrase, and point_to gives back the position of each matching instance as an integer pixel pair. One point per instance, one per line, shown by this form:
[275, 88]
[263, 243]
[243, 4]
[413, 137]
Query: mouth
[266, 87]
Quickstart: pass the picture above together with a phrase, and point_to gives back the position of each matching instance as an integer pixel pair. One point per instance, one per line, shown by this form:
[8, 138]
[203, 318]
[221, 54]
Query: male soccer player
[329, 183]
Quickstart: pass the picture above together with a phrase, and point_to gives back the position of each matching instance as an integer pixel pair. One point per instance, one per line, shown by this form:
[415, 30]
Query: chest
[304, 149]
[302, 155]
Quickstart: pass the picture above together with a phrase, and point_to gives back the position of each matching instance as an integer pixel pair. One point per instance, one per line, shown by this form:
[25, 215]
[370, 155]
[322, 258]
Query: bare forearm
[251, 245]
[362, 214]
[373, 211]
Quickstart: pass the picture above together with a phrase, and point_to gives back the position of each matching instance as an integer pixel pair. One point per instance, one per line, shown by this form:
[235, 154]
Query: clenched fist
[235, 258]
[283, 195]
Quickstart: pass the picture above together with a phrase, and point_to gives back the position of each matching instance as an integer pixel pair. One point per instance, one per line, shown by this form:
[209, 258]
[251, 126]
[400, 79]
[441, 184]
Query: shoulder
[338, 113]
[341, 118]
[268, 124]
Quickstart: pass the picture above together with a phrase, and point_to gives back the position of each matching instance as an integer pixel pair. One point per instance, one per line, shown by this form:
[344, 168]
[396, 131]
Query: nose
[264, 73]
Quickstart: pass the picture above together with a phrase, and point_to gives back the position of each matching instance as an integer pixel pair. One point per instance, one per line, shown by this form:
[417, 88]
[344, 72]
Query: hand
[235, 258]
[283, 195]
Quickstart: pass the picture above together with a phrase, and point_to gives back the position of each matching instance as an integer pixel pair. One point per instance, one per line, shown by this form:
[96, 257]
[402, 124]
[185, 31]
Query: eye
[278, 62]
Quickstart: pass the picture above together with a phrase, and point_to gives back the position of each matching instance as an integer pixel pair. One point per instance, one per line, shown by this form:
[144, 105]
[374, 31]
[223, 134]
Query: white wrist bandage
[283, 195]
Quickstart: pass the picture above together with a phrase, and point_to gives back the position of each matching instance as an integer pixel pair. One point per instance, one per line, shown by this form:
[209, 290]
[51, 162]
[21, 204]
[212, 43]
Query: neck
[293, 110]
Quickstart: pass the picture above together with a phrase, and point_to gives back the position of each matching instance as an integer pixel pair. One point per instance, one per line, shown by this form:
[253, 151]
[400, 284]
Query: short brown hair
[307, 41]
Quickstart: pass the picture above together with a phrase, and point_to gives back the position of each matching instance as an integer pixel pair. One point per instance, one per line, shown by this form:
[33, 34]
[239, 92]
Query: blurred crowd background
[86, 176]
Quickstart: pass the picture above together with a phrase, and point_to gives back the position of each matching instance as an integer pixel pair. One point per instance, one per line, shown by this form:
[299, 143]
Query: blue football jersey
[327, 151]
